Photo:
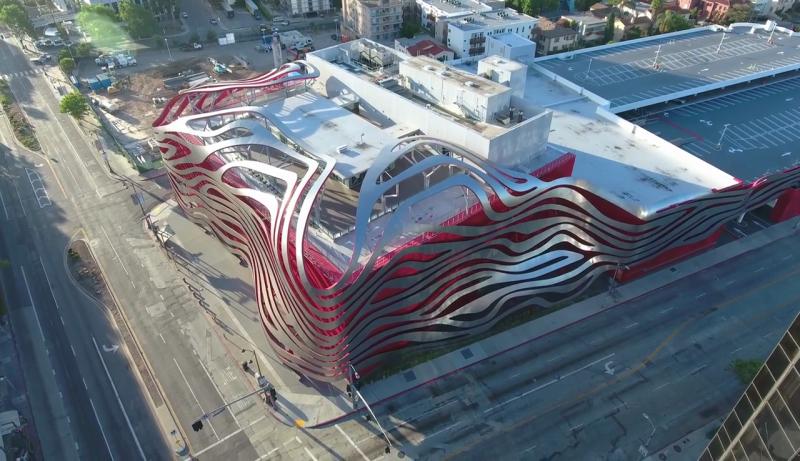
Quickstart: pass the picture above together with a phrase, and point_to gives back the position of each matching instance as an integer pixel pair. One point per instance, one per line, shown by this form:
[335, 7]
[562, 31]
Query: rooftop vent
[471, 84]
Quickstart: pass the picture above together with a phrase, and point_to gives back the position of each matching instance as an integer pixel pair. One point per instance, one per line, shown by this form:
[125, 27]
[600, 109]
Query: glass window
[773, 435]
[789, 346]
[732, 425]
[790, 391]
[753, 446]
[777, 361]
[738, 452]
[716, 448]
[743, 409]
[754, 396]
[785, 418]
[763, 381]
[794, 329]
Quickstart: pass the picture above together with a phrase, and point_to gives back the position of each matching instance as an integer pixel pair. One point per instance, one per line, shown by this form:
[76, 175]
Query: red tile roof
[426, 48]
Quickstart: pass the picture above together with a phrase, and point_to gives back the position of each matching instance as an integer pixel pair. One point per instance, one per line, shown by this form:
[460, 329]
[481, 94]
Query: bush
[745, 369]
[67, 65]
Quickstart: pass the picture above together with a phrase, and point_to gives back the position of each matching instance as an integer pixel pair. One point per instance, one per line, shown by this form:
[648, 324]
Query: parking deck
[636, 72]
[746, 133]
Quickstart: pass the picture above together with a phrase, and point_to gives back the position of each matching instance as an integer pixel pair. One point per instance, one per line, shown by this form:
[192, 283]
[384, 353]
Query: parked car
[38, 60]
[213, 20]
[58, 42]
[184, 15]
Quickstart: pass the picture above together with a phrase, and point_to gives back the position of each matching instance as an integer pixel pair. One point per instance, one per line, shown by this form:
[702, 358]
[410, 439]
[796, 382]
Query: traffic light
[349, 391]
[246, 367]
[387, 450]
[197, 425]
[273, 394]
[357, 382]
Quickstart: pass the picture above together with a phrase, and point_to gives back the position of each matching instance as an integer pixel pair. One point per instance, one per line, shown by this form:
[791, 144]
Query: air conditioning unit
[342, 149]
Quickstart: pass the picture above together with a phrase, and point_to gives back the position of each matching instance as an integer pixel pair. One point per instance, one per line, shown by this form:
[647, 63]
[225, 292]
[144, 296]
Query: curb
[530, 340]
[165, 433]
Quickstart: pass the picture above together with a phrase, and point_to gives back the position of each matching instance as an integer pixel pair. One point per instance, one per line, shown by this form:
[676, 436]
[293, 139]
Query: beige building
[378, 20]
[551, 38]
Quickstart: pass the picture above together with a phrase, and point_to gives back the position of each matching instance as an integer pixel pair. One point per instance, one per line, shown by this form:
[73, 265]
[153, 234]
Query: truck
[228, 10]
[252, 8]
[295, 40]
[108, 105]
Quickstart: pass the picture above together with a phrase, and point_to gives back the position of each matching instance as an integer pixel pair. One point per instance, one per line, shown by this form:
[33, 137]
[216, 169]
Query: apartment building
[467, 36]
[378, 20]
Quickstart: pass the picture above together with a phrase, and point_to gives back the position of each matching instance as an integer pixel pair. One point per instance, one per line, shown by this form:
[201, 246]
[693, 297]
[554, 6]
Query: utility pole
[355, 395]
[264, 386]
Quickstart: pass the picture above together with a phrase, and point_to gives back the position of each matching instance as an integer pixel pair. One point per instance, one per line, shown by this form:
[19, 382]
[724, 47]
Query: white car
[184, 15]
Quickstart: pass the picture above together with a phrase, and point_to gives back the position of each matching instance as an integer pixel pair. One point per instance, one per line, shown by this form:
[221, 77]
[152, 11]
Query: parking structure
[630, 73]
[746, 133]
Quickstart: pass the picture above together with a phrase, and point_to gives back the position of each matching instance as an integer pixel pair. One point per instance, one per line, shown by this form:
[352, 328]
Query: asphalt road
[77, 398]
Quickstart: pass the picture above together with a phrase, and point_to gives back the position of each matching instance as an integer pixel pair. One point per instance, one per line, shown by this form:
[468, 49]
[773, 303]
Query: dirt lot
[136, 100]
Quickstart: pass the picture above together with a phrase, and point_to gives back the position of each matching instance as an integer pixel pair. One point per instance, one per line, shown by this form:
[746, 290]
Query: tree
[409, 29]
[83, 50]
[13, 15]
[745, 370]
[74, 104]
[656, 6]
[211, 35]
[140, 20]
[67, 65]
[671, 22]
[633, 33]
[610, 26]
[737, 13]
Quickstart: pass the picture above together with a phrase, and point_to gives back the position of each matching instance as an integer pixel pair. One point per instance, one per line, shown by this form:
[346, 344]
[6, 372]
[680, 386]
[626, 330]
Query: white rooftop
[497, 18]
[512, 39]
[451, 8]
[319, 126]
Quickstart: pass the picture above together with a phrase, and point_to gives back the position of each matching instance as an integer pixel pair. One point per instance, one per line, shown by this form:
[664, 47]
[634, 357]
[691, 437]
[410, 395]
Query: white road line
[33, 304]
[443, 430]
[549, 383]
[5, 211]
[737, 350]
[730, 282]
[759, 269]
[119, 401]
[663, 385]
[310, 455]
[224, 439]
[627, 327]
[20, 199]
[351, 442]
[62, 321]
[528, 449]
[218, 392]
[786, 258]
[195, 397]
[700, 295]
[118, 257]
[664, 311]
[73, 351]
[102, 432]
[162, 338]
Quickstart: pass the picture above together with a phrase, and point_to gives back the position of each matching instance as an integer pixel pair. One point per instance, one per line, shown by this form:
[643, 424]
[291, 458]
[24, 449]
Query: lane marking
[5, 211]
[118, 257]
[700, 295]
[162, 338]
[759, 269]
[549, 383]
[119, 401]
[351, 442]
[443, 430]
[628, 327]
[195, 397]
[310, 455]
[33, 304]
[24, 213]
[222, 397]
[224, 439]
[663, 385]
[102, 432]
[664, 311]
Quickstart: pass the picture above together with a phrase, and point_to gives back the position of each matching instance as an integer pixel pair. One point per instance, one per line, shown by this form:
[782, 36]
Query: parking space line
[351, 442]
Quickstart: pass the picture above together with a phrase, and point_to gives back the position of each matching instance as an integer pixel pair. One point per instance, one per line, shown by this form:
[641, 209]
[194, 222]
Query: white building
[505, 72]
[435, 14]
[467, 36]
[298, 7]
[510, 46]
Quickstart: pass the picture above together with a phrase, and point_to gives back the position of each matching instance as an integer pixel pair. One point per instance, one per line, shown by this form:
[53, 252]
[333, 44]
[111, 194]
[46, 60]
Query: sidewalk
[205, 251]
[223, 288]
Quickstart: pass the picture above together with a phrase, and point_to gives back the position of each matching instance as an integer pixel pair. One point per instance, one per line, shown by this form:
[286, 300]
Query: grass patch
[745, 370]
[23, 130]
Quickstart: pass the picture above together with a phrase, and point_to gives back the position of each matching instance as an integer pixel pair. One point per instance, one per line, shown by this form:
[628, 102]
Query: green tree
[140, 20]
[633, 33]
[671, 22]
[67, 65]
[610, 26]
[13, 15]
[83, 50]
[74, 104]
[410, 29]
[737, 13]
[211, 35]
[98, 10]
[656, 6]
[745, 370]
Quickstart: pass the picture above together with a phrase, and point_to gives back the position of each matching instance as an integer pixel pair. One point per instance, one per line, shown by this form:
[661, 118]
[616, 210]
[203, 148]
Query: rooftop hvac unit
[341, 149]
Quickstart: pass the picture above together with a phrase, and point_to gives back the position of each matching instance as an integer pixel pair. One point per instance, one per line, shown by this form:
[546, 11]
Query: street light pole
[724, 129]
[258, 365]
[166, 42]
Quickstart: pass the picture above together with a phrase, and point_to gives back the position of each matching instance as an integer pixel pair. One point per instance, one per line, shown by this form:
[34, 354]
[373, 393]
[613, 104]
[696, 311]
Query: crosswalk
[23, 73]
